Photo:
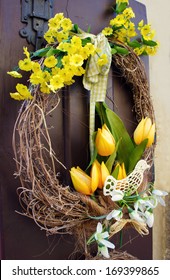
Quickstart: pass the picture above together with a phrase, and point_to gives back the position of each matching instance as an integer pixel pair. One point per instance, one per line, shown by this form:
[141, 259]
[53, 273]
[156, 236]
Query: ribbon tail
[91, 127]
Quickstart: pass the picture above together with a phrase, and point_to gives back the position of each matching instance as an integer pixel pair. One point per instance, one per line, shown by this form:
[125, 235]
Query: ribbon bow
[95, 79]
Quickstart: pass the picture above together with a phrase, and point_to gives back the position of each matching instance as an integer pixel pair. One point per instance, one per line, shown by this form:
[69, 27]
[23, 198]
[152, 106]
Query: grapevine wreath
[113, 192]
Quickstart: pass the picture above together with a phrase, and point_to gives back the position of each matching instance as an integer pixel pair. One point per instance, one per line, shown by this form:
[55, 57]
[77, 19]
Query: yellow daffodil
[102, 60]
[76, 42]
[56, 83]
[14, 74]
[26, 52]
[145, 130]
[118, 20]
[128, 13]
[76, 60]
[50, 61]
[48, 36]
[121, 171]
[103, 172]
[36, 66]
[66, 24]
[36, 78]
[105, 142]
[107, 31]
[44, 88]
[90, 48]
[84, 183]
[25, 64]
[22, 93]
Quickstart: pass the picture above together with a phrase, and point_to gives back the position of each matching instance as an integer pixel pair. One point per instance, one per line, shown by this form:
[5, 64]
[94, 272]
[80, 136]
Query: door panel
[21, 238]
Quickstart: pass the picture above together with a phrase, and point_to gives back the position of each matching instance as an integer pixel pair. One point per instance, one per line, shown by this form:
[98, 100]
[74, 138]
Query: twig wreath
[113, 192]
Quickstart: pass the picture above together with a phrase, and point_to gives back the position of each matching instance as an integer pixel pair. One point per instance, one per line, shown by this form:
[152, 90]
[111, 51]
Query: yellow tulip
[82, 182]
[103, 172]
[145, 130]
[105, 142]
[121, 172]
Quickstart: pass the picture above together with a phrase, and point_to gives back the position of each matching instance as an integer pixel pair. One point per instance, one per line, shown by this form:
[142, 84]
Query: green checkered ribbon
[95, 79]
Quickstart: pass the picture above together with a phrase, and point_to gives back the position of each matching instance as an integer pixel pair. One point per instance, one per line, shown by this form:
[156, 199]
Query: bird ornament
[129, 184]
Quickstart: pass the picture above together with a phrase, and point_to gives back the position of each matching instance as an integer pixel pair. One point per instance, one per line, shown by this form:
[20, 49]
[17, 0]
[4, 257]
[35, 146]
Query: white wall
[158, 12]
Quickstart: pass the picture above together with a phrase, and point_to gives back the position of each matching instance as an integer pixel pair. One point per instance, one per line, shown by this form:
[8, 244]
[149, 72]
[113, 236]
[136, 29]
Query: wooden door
[21, 238]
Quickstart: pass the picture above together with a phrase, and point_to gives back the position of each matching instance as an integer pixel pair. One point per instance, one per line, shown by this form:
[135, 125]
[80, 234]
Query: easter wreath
[114, 191]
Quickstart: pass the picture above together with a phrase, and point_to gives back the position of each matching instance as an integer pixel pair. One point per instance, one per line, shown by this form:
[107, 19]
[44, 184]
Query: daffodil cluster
[123, 29]
[61, 60]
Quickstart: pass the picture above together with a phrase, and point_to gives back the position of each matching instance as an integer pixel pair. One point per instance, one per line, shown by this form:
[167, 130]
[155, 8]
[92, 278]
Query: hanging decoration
[113, 192]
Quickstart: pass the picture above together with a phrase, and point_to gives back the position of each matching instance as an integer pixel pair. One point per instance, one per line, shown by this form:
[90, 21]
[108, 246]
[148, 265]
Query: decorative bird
[129, 184]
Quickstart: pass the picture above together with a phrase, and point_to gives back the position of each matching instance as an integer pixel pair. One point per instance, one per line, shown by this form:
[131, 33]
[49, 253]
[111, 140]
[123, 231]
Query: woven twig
[54, 207]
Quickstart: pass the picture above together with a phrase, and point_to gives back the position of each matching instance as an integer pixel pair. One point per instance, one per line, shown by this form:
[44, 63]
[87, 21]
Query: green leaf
[95, 152]
[85, 41]
[134, 44]
[136, 155]
[121, 135]
[41, 52]
[111, 159]
[59, 58]
[53, 51]
[98, 217]
[150, 43]
[121, 50]
[100, 108]
[89, 29]
[121, 7]
[113, 51]
[115, 172]
[75, 28]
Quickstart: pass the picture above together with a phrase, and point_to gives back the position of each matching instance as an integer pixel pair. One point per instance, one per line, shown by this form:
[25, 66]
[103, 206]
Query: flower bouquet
[113, 192]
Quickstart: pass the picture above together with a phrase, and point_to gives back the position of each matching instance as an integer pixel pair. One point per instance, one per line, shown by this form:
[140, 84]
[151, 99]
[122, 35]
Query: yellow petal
[105, 172]
[119, 176]
[95, 176]
[100, 175]
[138, 133]
[81, 181]
[151, 136]
[124, 175]
[147, 127]
[105, 142]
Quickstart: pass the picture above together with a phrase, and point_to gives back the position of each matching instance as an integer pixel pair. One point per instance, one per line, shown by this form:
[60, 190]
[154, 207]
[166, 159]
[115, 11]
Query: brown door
[20, 237]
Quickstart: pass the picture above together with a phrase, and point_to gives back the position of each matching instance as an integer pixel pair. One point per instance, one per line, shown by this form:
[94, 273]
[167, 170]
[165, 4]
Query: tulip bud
[102, 172]
[145, 130]
[82, 182]
[119, 171]
[105, 143]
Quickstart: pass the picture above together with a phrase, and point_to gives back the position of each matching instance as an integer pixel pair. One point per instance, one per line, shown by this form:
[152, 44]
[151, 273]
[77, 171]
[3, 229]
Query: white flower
[134, 215]
[158, 195]
[140, 204]
[116, 195]
[149, 218]
[151, 202]
[115, 214]
[103, 244]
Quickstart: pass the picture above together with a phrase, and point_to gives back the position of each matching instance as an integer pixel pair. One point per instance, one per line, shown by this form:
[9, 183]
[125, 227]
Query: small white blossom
[149, 218]
[134, 215]
[115, 214]
[140, 204]
[116, 195]
[103, 244]
[158, 196]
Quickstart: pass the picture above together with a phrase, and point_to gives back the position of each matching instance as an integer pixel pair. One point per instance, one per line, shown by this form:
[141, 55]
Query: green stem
[121, 238]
